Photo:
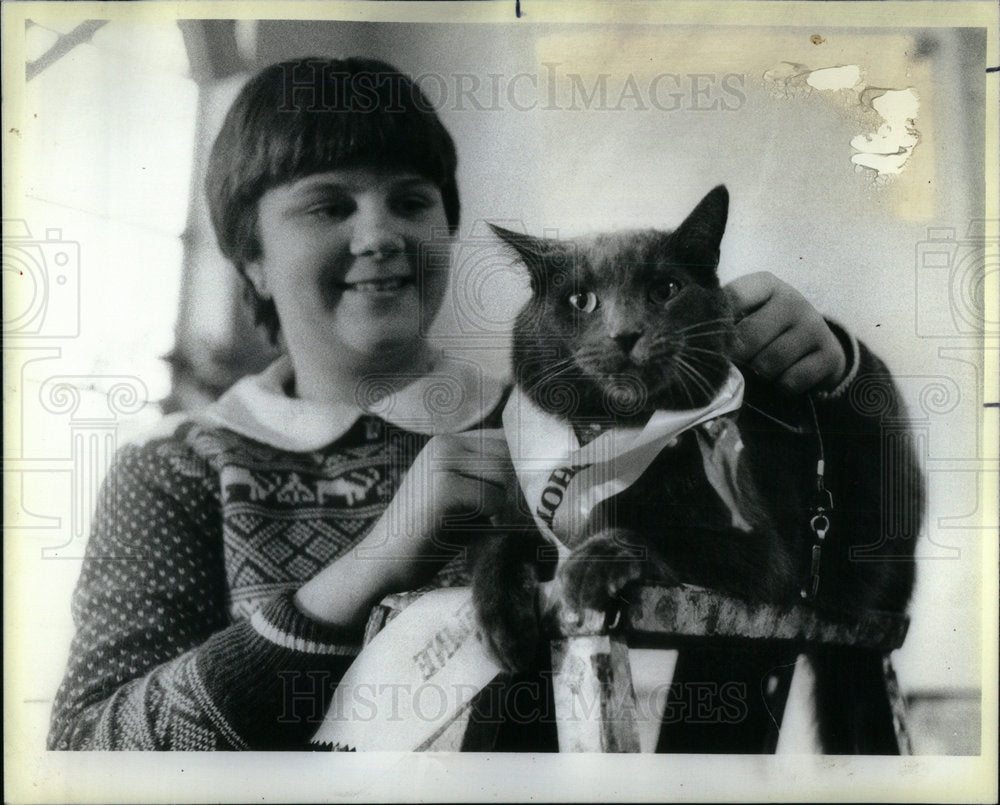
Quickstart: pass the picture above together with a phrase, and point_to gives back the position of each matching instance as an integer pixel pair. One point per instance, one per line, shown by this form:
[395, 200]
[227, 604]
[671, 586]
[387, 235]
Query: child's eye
[585, 302]
[662, 294]
[412, 204]
[332, 209]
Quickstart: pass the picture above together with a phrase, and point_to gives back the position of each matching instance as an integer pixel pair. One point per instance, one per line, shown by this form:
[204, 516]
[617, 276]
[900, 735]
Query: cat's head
[621, 324]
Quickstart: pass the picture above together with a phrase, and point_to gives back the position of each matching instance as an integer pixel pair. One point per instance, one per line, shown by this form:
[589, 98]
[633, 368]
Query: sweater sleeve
[156, 662]
[873, 473]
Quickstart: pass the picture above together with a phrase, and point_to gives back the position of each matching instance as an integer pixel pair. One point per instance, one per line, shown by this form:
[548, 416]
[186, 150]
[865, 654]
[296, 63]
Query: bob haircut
[311, 115]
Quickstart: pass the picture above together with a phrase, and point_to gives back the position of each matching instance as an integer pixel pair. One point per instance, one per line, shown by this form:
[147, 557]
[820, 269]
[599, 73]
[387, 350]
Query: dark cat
[622, 324]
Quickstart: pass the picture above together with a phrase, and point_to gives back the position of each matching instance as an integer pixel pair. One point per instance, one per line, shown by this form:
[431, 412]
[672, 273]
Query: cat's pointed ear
[698, 239]
[531, 250]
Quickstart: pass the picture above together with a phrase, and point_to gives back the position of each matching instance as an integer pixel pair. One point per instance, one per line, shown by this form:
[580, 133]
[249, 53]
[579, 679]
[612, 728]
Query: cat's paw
[595, 573]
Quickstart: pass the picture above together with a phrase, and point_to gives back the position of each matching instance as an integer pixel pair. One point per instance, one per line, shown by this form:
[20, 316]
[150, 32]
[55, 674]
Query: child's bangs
[383, 123]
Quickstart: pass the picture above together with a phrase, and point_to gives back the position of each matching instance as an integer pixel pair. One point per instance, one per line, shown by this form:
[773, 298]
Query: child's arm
[872, 469]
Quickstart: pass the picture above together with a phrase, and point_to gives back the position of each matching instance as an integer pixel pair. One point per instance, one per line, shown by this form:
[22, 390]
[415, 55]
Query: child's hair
[312, 115]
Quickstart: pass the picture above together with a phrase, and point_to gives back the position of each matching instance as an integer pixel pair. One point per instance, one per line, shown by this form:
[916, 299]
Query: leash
[820, 511]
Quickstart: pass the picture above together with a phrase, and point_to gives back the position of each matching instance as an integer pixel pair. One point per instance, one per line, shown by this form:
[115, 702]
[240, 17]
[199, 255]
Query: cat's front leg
[505, 591]
[594, 575]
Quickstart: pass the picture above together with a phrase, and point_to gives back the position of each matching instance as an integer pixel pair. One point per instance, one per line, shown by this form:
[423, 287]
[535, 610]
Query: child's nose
[374, 233]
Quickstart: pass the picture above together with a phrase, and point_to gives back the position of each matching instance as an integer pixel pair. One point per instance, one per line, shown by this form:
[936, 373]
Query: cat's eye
[585, 302]
[662, 294]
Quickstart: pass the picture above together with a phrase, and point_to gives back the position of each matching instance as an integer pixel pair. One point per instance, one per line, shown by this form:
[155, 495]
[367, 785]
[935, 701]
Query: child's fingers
[472, 456]
[804, 358]
[765, 308]
[496, 481]
[455, 449]
[758, 331]
[806, 373]
[750, 292]
[784, 351]
[779, 328]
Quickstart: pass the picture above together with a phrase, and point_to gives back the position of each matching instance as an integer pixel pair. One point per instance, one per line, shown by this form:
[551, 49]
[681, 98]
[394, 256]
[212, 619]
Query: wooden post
[592, 685]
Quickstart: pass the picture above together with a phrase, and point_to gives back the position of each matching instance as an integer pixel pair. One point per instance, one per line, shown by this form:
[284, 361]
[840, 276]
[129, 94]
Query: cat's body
[620, 325]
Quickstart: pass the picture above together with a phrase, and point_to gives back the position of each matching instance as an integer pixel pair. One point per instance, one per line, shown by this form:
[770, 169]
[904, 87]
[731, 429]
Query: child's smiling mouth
[374, 286]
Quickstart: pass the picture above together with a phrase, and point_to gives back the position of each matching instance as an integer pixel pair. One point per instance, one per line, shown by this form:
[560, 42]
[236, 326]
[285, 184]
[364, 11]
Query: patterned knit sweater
[187, 633]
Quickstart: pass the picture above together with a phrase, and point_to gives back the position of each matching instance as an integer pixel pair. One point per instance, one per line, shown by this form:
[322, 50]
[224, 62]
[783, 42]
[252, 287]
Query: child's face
[339, 257]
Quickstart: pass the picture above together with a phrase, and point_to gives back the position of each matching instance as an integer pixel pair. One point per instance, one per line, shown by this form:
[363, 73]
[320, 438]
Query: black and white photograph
[500, 401]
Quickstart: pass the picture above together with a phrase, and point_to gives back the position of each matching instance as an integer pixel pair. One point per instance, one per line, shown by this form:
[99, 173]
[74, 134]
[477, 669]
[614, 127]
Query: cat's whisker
[696, 376]
[699, 383]
[684, 371]
[666, 347]
[684, 384]
[725, 317]
[706, 334]
[562, 363]
[705, 338]
[559, 368]
[704, 323]
[699, 361]
[717, 352]
[668, 351]
[695, 362]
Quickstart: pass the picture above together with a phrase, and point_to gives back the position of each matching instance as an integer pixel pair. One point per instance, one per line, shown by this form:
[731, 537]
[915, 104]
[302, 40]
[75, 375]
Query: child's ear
[255, 274]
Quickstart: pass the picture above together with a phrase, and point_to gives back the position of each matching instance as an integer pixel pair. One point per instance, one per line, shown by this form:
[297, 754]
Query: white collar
[453, 396]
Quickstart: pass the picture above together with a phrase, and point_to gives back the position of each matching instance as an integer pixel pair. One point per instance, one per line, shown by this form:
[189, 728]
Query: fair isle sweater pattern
[187, 634]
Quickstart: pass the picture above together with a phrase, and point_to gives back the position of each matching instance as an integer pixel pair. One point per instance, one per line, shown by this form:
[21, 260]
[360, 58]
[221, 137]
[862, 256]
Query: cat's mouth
[639, 390]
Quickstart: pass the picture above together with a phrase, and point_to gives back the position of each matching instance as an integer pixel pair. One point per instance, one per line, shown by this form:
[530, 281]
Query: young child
[235, 557]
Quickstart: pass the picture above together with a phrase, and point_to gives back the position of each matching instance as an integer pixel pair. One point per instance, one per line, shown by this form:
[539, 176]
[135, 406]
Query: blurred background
[118, 306]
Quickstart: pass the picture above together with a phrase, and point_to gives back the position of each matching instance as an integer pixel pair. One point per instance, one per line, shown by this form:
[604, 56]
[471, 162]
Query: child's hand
[456, 474]
[782, 337]
[461, 474]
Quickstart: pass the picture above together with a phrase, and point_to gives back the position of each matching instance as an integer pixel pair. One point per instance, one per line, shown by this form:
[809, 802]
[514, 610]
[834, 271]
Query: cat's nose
[626, 340]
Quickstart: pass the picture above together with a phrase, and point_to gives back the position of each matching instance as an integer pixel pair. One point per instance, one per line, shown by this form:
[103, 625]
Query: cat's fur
[656, 331]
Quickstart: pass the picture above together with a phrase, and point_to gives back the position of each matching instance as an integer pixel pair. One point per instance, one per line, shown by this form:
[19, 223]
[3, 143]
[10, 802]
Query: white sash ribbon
[563, 482]
[414, 680]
